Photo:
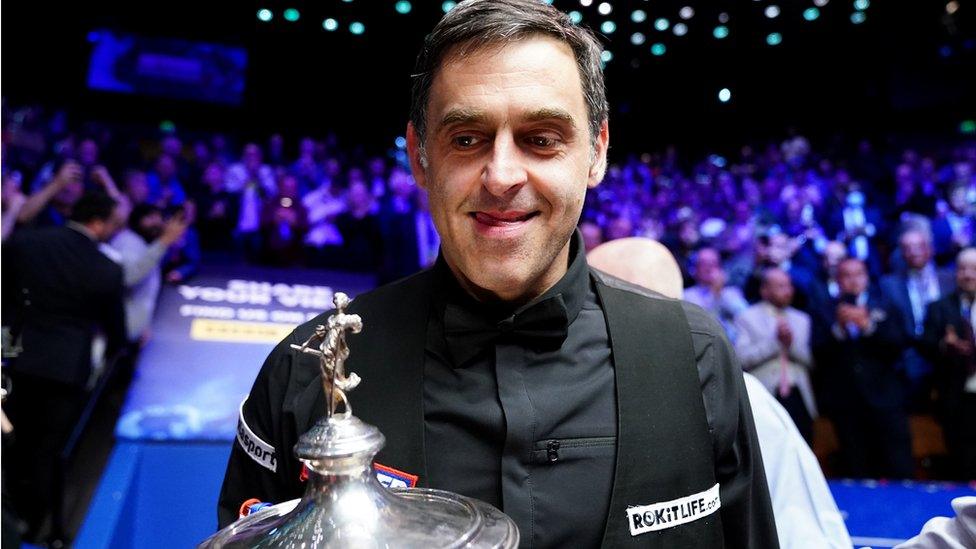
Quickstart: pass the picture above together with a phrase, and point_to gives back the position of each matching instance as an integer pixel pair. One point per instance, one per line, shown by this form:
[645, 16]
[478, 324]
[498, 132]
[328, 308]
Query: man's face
[508, 160]
[707, 265]
[777, 288]
[852, 277]
[966, 272]
[916, 250]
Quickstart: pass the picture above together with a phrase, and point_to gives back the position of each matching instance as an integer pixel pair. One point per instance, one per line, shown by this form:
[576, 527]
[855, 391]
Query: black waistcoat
[664, 448]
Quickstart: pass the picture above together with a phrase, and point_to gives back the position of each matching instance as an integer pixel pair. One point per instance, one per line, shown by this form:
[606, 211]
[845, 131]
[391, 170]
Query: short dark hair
[475, 24]
[93, 205]
[141, 211]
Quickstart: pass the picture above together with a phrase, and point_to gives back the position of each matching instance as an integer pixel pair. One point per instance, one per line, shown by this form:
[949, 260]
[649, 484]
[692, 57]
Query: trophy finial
[332, 352]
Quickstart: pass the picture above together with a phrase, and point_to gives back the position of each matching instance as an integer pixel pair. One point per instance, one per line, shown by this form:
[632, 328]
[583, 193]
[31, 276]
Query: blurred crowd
[844, 274]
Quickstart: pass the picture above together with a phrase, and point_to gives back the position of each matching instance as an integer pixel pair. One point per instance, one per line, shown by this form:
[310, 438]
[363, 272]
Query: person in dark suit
[863, 393]
[956, 229]
[948, 339]
[910, 290]
[65, 290]
[407, 230]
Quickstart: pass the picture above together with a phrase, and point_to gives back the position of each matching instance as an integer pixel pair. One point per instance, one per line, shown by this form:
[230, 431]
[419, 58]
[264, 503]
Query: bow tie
[543, 325]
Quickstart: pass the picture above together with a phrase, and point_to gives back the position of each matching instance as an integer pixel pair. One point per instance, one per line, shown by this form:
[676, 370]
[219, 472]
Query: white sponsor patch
[259, 450]
[668, 514]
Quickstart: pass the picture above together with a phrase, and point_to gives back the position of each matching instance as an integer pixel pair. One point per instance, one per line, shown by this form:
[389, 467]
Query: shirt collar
[81, 229]
[574, 287]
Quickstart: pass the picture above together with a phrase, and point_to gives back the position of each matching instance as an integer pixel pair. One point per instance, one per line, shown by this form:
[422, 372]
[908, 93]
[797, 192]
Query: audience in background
[744, 229]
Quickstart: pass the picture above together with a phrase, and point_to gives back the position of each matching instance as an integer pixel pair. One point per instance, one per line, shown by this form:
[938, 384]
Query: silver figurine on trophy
[344, 504]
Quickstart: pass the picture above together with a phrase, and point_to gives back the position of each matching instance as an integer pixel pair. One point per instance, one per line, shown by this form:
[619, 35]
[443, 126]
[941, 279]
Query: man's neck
[516, 298]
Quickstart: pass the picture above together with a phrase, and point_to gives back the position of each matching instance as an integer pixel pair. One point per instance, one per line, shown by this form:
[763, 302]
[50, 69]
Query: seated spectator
[949, 343]
[136, 187]
[284, 223]
[711, 292]
[141, 248]
[218, 210]
[773, 344]
[360, 230]
[910, 290]
[165, 188]
[864, 395]
[956, 228]
[254, 182]
[404, 228]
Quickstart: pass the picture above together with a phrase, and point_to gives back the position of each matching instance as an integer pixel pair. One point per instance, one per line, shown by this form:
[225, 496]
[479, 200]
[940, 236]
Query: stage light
[945, 51]
[357, 28]
[952, 7]
[772, 11]
[608, 27]
[658, 49]
[575, 17]
[606, 56]
[774, 38]
[811, 14]
[167, 126]
[820, 3]
[720, 32]
[967, 127]
[687, 12]
[448, 6]
[724, 95]
[858, 17]
[638, 16]
[862, 5]
[586, 3]
[400, 142]
[403, 7]
[637, 38]
[265, 15]
[662, 24]
[604, 8]
[680, 29]
[723, 18]
[291, 15]
[330, 24]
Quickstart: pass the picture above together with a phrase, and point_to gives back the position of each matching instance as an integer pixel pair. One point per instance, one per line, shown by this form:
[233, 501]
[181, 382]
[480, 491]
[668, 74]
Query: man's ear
[418, 161]
[598, 167]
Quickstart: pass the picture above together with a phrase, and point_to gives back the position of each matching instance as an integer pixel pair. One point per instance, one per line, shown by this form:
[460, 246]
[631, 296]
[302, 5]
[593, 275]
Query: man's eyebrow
[462, 116]
[540, 115]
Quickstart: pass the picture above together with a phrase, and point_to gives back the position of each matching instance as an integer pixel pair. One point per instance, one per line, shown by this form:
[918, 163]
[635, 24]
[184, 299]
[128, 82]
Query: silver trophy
[344, 504]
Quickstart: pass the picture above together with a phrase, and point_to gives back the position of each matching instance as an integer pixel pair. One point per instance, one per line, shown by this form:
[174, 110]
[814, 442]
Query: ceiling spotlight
[637, 38]
[724, 95]
[680, 29]
[772, 11]
[638, 16]
[604, 8]
[687, 12]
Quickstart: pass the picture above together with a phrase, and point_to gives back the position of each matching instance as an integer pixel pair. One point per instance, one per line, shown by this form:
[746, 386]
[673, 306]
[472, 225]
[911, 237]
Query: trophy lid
[344, 505]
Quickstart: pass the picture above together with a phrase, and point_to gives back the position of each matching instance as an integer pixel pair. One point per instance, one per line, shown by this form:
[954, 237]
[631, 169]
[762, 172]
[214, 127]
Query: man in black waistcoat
[591, 411]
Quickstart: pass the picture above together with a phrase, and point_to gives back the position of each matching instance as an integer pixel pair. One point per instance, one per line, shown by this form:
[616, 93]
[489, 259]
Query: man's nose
[504, 170]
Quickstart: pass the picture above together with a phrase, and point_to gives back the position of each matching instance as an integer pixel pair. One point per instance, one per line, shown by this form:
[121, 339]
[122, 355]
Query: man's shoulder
[698, 319]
